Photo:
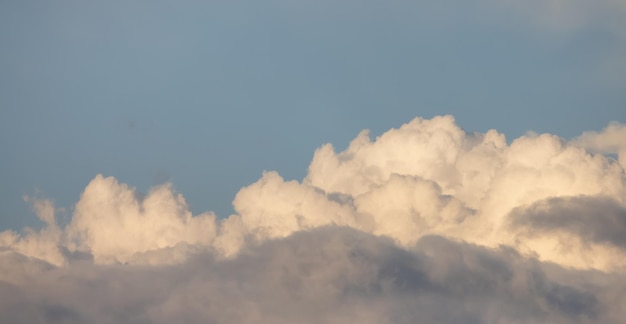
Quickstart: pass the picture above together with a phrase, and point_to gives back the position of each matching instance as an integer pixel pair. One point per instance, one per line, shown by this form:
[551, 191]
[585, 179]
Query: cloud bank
[425, 222]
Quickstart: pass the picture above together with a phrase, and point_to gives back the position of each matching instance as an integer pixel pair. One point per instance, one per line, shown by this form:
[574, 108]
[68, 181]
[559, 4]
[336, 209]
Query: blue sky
[208, 94]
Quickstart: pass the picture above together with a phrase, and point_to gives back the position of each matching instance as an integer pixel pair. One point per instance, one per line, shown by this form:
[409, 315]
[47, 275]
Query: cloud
[594, 219]
[112, 223]
[581, 226]
[425, 221]
[326, 275]
[41, 244]
[476, 180]
[609, 140]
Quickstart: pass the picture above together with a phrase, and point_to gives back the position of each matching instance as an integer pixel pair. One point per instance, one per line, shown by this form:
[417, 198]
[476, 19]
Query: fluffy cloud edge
[428, 176]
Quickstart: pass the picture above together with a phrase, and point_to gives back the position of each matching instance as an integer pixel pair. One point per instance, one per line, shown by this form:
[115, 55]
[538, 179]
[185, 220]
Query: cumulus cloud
[425, 222]
[611, 140]
[41, 244]
[114, 223]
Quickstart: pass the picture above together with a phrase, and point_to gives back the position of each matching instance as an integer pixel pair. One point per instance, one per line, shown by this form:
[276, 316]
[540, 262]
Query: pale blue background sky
[208, 94]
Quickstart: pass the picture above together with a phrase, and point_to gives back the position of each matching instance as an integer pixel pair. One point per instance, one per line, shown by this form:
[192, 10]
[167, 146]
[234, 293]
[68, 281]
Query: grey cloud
[327, 275]
[593, 218]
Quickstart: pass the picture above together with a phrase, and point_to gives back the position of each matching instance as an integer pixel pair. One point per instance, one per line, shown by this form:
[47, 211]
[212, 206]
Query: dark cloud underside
[596, 219]
[328, 275]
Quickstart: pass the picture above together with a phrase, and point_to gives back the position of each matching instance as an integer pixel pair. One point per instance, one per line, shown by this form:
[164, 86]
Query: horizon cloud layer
[425, 221]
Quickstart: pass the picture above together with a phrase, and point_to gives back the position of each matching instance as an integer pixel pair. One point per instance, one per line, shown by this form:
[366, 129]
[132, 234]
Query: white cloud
[426, 177]
[38, 244]
[610, 140]
[353, 240]
[113, 223]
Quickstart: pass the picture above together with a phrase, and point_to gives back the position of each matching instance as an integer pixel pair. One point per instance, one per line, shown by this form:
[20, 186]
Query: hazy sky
[172, 159]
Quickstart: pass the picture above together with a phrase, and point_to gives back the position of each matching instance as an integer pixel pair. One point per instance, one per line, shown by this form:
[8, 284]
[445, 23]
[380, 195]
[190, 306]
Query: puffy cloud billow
[425, 223]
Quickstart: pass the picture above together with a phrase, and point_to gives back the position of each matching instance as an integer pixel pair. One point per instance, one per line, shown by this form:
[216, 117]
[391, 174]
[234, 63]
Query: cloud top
[428, 176]
[424, 219]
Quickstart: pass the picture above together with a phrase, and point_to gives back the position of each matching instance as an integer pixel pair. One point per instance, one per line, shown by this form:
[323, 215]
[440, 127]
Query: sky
[313, 161]
[209, 94]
